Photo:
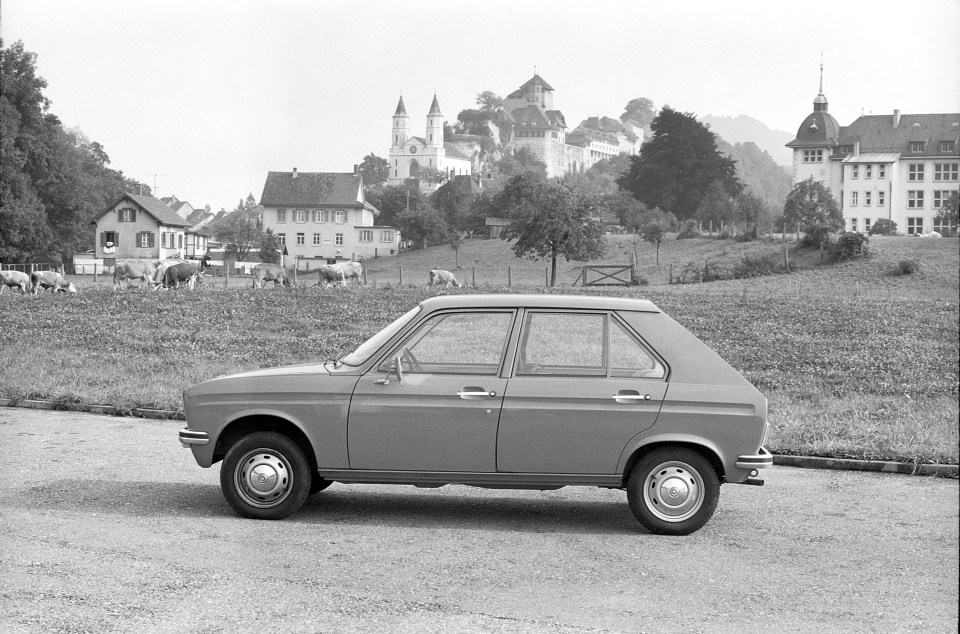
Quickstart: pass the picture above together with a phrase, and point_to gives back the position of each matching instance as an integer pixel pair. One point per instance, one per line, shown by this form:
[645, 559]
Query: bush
[849, 246]
[906, 267]
[883, 227]
[689, 229]
[817, 236]
[756, 266]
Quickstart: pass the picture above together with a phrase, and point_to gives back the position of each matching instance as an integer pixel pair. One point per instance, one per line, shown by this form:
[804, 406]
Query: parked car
[499, 391]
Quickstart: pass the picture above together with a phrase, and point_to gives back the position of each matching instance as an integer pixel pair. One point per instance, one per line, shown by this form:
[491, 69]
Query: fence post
[509, 278]
[94, 271]
[546, 276]
[474, 277]
[401, 275]
[671, 273]
[226, 274]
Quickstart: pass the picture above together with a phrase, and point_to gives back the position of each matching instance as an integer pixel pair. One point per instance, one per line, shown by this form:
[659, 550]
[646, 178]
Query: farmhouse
[143, 227]
[900, 167]
[323, 215]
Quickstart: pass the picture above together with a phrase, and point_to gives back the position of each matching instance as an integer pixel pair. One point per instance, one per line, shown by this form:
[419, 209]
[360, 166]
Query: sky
[201, 98]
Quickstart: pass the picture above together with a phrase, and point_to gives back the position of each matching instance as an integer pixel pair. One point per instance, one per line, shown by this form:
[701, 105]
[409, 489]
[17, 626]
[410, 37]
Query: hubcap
[263, 478]
[673, 491]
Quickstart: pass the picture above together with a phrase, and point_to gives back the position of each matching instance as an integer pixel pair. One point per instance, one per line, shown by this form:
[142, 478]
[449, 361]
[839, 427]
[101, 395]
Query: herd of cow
[155, 274]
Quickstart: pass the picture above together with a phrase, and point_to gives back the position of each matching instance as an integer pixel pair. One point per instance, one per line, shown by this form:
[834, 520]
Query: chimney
[896, 118]
[294, 172]
[356, 168]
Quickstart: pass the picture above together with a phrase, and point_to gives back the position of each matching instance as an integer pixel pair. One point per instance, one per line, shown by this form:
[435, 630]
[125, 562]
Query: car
[497, 391]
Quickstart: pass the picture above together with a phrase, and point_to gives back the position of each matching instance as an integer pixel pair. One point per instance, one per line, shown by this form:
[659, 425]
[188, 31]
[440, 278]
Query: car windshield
[374, 343]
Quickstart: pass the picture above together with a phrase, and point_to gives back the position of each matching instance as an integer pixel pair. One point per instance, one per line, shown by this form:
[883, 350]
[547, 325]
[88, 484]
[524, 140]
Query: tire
[673, 491]
[265, 476]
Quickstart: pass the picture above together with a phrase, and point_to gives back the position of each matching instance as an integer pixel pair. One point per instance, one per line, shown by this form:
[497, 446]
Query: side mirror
[394, 367]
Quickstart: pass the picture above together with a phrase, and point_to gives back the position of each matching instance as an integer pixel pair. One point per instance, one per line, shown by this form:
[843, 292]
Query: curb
[804, 462]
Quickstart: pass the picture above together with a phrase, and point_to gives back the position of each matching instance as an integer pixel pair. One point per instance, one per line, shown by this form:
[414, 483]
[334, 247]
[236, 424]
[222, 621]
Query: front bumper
[189, 437]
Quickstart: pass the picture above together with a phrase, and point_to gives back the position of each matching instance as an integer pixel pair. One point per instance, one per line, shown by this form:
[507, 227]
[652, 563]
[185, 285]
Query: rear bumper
[763, 459]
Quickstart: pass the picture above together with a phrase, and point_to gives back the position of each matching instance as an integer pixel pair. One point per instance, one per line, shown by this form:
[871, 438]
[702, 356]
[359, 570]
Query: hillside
[742, 128]
[759, 172]
[486, 262]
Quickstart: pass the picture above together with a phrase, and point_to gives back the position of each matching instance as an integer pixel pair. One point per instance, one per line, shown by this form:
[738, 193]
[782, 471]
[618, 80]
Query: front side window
[915, 172]
[456, 343]
[945, 171]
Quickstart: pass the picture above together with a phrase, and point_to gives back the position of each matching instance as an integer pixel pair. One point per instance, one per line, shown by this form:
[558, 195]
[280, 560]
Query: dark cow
[50, 280]
[181, 273]
[126, 270]
[276, 273]
[439, 276]
[15, 279]
[331, 275]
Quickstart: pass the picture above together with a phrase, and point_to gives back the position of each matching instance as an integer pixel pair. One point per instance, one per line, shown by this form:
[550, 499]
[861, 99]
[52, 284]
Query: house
[143, 227]
[897, 167]
[323, 216]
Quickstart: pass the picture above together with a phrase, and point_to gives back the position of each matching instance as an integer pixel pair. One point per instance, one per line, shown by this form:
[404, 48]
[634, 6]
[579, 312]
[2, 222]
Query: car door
[442, 413]
[583, 385]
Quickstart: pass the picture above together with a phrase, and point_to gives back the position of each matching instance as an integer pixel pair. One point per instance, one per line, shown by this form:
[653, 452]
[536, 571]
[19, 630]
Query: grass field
[868, 376]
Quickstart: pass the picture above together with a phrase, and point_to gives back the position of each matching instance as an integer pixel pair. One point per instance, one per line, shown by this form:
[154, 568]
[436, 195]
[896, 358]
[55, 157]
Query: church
[899, 167]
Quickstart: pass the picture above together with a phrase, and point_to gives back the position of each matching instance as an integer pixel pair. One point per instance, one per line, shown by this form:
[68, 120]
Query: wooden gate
[610, 275]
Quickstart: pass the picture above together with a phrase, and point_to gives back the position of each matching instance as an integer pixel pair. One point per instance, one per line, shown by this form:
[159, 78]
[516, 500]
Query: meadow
[857, 374]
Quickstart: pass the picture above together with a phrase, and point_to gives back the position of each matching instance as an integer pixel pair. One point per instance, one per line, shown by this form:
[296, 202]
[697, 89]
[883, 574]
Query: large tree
[375, 171]
[394, 199]
[241, 230]
[676, 166]
[640, 110]
[811, 207]
[553, 221]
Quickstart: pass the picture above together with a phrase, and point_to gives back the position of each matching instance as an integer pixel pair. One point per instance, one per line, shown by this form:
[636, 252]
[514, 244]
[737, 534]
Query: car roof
[596, 302]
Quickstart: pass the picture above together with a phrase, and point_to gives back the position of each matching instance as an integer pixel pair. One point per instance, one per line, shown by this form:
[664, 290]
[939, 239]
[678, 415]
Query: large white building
[900, 167]
[410, 154]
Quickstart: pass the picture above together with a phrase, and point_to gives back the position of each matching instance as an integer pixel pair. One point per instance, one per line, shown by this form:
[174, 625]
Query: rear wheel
[265, 476]
[673, 491]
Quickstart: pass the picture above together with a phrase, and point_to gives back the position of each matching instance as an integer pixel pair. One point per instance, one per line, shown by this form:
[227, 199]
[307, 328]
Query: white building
[410, 154]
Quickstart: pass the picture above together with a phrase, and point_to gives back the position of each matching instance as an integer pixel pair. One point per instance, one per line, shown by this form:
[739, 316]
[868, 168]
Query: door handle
[630, 398]
[475, 393]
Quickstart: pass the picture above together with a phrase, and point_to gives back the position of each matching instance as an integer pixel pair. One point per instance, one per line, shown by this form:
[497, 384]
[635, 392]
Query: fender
[642, 440]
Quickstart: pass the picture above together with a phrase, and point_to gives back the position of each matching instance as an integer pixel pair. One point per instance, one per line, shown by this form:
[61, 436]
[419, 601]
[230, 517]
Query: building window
[300, 215]
[179, 241]
[316, 240]
[917, 146]
[866, 199]
[881, 198]
[914, 225]
[301, 240]
[145, 240]
[127, 214]
[866, 225]
[855, 172]
[915, 172]
[813, 156]
[281, 239]
[853, 224]
[340, 216]
[940, 198]
[868, 171]
[915, 199]
[386, 236]
[281, 215]
[339, 240]
[946, 146]
[881, 171]
[945, 171]
[854, 199]
[366, 235]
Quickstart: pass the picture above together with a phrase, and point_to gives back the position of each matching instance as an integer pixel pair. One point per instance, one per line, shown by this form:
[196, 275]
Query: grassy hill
[486, 262]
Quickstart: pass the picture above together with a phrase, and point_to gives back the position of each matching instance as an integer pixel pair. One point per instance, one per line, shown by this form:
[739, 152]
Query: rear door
[583, 385]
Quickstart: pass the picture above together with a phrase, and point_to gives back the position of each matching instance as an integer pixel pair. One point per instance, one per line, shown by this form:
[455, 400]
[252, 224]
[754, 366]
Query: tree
[374, 170]
[626, 209]
[883, 227]
[654, 226]
[752, 212]
[241, 229]
[394, 199]
[812, 207]
[717, 207]
[678, 164]
[269, 247]
[554, 221]
[489, 100]
[949, 213]
[431, 175]
[640, 110]
[423, 226]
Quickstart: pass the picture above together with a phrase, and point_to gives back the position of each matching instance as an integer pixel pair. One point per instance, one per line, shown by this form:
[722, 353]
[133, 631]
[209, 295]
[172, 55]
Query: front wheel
[265, 476]
[673, 491]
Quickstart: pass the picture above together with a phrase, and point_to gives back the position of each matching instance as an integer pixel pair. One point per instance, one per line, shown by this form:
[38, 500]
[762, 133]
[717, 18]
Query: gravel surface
[107, 525]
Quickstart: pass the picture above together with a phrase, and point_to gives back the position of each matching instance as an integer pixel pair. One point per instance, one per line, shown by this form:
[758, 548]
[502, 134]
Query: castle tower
[401, 125]
[434, 125]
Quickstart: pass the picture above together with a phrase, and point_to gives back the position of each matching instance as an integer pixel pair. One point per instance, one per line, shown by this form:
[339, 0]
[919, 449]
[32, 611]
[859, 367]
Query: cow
[15, 279]
[331, 275]
[439, 276]
[50, 280]
[126, 270]
[162, 266]
[276, 273]
[932, 234]
[181, 273]
[351, 271]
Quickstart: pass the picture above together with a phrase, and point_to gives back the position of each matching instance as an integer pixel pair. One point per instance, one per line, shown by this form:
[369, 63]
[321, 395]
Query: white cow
[439, 276]
[932, 234]
[15, 279]
[126, 270]
[50, 280]
[351, 271]
[331, 275]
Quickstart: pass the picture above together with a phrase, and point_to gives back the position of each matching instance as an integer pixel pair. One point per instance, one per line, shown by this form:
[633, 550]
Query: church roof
[434, 108]
[288, 189]
[401, 109]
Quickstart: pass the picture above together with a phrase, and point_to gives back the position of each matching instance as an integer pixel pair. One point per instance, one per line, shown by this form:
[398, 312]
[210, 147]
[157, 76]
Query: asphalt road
[107, 525]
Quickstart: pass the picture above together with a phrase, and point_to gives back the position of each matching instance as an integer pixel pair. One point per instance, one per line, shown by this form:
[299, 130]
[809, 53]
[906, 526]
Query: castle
[529, 120]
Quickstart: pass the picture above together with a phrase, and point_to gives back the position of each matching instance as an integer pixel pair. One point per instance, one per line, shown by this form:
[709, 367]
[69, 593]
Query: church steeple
[401, 124]
[434, 125]
[820, 103]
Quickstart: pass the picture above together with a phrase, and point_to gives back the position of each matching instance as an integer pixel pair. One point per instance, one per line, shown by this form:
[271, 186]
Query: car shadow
[358, 505]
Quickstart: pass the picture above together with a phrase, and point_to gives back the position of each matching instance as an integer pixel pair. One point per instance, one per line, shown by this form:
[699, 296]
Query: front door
[441, 413]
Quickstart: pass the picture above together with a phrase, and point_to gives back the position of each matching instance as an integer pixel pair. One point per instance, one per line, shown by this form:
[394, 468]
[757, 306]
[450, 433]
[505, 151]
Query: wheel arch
[701, 446]
[250, 423]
